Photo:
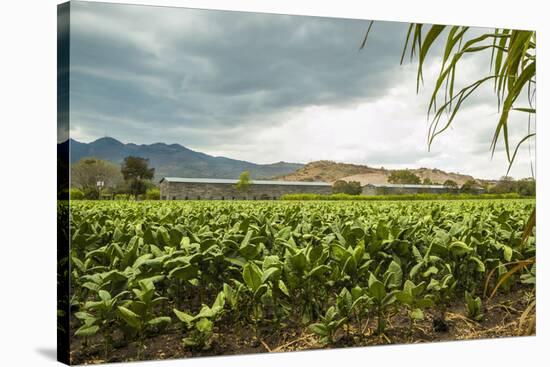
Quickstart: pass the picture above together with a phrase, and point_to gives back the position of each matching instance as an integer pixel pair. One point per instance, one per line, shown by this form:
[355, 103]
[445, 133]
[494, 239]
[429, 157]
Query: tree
[505, 185]
[527, 187]
[354, 188]
[470, 187]
[339, 187]
[344, 187]
[404, 177]
[243, 185]
[450, 183]
[92, 174]
[427, 181]
[136, 173]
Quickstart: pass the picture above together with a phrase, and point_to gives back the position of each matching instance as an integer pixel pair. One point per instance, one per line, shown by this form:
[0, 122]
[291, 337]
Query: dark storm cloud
[135, 68]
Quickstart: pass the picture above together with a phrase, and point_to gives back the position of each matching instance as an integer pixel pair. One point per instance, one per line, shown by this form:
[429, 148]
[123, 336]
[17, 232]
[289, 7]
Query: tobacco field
[169, 279]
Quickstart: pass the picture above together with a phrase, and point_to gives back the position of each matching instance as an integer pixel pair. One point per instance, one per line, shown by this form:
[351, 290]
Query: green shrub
[91, 193]
[153, 194]
[447, 196]
[76, 193]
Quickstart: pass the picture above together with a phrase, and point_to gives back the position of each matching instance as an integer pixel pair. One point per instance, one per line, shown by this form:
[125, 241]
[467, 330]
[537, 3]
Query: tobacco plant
[325, 265]
[413, 296]
[328, 325]
[473, 306]
[200, 326]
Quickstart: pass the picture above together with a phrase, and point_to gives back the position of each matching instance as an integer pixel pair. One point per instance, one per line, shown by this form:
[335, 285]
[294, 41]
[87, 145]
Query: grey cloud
[215, 80]
[146, 64]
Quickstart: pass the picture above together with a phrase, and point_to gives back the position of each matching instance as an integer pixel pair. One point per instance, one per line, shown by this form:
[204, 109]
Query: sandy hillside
[328, 171]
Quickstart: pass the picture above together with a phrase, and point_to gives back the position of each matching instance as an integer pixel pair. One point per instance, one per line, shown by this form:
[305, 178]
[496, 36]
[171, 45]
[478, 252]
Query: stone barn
[396, 189]
[177, 188]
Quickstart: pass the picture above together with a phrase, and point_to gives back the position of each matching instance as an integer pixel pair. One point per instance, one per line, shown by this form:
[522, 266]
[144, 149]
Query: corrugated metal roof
[409, 186]
[253, 182]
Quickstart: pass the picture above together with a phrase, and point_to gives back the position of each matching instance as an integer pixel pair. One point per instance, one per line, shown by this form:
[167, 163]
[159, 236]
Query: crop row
[140, 267]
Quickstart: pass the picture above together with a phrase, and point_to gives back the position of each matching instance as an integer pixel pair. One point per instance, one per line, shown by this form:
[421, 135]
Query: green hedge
[123, 197]
[401, 197]
[153, 194]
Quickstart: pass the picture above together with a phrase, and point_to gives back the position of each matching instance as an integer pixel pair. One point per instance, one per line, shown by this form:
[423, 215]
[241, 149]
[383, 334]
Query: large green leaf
[184, 272]
[252, 276]
[459, 248]
[130, 317]
[86, 330]
[183, 316]
[377, 291]
[161, 320]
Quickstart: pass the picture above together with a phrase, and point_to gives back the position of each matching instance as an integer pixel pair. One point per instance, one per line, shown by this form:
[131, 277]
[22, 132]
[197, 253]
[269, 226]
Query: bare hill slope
[329, 171]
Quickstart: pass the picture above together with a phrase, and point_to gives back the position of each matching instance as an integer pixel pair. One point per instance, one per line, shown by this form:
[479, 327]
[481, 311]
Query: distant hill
[329, 171]
[177, 160]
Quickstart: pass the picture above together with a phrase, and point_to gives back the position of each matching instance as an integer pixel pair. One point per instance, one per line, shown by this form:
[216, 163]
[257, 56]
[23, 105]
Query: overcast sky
[268, 88]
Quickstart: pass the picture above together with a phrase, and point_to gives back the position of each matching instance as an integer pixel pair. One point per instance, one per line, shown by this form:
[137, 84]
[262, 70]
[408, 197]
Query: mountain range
[177, 160]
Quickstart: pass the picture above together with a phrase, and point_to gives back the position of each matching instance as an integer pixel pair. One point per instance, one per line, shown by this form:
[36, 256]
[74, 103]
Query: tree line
[505, 185]
[93, 179]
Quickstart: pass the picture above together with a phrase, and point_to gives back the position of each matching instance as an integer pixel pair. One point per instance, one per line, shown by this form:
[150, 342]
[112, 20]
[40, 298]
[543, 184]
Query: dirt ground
[502, 318]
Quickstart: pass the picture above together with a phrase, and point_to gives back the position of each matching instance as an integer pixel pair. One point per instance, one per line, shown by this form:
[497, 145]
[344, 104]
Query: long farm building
[178, 188]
